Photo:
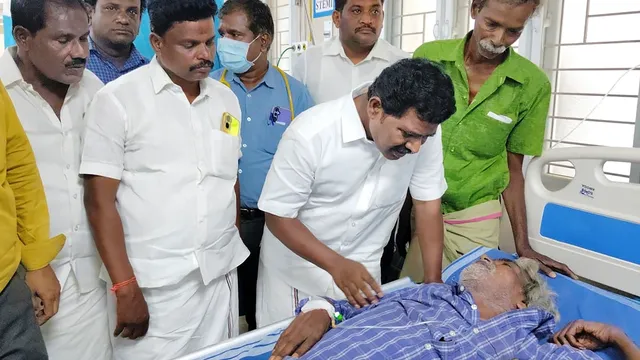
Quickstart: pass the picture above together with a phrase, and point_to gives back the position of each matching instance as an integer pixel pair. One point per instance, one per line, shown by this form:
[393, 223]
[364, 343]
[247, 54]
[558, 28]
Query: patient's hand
[587, 335]
[304, 332]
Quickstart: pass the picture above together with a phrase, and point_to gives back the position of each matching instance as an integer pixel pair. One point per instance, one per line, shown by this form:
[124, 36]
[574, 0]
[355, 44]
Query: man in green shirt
[502, 101]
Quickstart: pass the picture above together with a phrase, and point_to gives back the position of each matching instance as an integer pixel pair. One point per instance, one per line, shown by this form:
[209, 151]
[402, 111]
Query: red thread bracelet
[120, 285]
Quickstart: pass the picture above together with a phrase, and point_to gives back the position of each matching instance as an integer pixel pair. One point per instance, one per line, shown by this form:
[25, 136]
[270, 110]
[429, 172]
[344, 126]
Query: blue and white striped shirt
[450, 329]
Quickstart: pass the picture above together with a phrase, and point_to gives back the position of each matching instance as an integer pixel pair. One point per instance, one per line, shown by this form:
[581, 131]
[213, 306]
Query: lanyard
[223, 80]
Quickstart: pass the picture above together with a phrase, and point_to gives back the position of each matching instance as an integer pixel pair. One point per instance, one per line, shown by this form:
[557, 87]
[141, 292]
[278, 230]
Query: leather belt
[251, 214]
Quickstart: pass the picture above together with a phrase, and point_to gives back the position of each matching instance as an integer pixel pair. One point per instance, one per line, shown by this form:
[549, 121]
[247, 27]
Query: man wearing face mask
[114, 26]
[357, 55]
[269, 100]
[51, 90]
[502, 101]
[338, 181]
[161, 162]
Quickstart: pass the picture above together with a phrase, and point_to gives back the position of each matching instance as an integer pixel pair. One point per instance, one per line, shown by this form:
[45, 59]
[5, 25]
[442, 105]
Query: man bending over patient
[499, 310]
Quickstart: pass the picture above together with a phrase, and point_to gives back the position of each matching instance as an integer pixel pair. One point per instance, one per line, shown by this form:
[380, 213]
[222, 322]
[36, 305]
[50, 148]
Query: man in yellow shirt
[24, 238]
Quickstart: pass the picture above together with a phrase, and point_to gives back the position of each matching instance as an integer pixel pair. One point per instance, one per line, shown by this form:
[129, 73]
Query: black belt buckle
[251, 214]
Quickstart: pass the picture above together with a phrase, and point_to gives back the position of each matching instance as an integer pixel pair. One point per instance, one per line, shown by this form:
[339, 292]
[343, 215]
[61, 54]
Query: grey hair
[535, 289]
[479, 4]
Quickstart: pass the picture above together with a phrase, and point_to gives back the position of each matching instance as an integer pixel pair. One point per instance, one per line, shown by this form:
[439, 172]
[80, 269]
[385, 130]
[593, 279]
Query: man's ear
[265, 42]
[474, 9]
[375, 103]
[336, 16]
[90, 10]
[521, 305]
[22, 37]
[156, 42]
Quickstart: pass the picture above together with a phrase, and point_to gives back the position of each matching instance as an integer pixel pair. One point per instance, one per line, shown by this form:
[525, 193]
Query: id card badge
[230, 125]
[280, 116]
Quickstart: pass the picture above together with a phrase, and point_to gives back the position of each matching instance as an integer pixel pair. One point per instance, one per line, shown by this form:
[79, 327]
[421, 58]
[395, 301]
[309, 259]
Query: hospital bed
[592, 225]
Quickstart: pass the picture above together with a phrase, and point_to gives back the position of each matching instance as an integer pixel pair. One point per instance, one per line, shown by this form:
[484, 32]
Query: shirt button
[239, 171]
[428, 346]
[476, 331]
[461, 288]
[474, 307]
[248, 119]
[248, 95]
[244, 145]
[77, 228]
[452, 333]
[75, 196]
[353, 224]
[68, 166]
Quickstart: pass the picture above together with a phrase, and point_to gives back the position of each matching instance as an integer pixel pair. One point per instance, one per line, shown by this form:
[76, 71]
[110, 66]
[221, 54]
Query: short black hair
[415, 84]
[32, 14]
[258, 14]
[340, 4]
[143, 4]
[163, 14]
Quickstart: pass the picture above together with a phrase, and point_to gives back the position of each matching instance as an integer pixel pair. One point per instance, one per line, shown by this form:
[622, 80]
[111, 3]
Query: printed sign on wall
[323, 8]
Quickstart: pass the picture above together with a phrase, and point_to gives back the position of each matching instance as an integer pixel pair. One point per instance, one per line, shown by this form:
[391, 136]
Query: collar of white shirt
[381, 50]
[161, 80]
[9, 71]
[352, 128]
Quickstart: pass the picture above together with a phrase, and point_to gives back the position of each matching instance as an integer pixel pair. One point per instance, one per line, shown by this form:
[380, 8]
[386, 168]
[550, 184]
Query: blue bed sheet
[576, 300]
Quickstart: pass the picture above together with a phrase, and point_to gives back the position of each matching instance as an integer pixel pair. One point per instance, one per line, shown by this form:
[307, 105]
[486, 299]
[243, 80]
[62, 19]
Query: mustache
[204, 64]
[366, 27]
[401, 149]
[490, 47]
[76, 62]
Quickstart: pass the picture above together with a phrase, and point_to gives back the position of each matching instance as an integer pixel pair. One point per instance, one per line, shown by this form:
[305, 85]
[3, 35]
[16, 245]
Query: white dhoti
[183, 318]
[276, 300]
[80, 329]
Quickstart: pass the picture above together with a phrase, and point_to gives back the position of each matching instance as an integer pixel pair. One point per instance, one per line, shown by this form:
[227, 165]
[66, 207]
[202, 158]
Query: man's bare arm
[430, 232]
[106, 225]
[514, 202]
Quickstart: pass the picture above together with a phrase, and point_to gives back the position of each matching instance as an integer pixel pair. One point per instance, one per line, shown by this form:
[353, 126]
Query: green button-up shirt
[508, 114]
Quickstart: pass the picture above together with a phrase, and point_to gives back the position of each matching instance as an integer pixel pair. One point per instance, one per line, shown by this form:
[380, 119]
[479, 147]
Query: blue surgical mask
[233, 55]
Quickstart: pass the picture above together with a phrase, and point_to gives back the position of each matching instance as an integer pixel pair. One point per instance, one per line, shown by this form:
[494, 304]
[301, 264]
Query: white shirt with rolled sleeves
[177, 172]
[329, 74]
[327, 174]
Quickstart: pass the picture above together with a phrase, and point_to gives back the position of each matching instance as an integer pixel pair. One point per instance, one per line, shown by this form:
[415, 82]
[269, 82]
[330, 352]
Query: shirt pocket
[393, 182]
[271, 137]
[224, 155]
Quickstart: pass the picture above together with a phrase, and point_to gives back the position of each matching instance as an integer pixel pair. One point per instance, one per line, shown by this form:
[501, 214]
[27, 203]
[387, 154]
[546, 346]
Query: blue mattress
[576, 300]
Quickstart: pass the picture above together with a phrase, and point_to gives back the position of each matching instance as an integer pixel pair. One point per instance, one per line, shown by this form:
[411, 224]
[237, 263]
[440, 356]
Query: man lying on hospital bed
[500, 309]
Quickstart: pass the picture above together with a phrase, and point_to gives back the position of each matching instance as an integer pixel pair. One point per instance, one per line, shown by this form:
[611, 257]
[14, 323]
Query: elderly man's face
[498, 25]
[495, 280]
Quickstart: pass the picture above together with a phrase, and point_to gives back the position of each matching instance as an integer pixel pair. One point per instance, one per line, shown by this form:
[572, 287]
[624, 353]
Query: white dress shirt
[177, 172]
[57, 145]
[327, 174]
[329, 74]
